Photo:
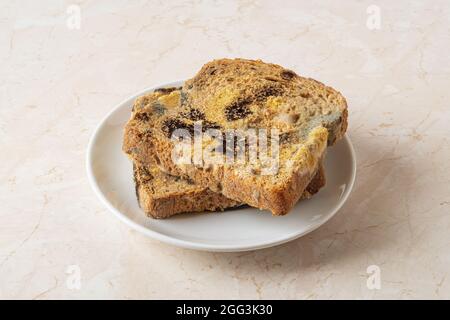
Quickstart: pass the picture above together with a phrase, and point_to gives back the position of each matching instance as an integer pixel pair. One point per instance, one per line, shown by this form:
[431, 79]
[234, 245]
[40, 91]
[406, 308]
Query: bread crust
[188, 199]
[185, 197]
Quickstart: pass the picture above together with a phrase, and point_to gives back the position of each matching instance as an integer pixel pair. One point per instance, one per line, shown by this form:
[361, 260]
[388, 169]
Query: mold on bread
[161, 195]
[241, 94]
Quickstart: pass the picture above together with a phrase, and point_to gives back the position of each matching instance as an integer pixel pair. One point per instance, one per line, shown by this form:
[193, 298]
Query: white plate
[110, 174]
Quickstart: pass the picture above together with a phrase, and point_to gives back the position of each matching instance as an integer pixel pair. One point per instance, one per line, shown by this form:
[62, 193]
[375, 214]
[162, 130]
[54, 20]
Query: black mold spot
[287, 74]
[285, 137]
[206, 124]
[170, 125]
[267, 91]
[238, 110]
[142, 116]
[193, 114]
[167, 90]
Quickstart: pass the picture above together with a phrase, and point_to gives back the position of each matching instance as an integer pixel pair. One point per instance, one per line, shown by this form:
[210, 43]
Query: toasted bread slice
[242, 94]
[161, 195]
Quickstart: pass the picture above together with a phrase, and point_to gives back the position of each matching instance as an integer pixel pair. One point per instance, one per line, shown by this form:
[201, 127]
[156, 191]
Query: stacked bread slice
[162, 195]
[298, 116]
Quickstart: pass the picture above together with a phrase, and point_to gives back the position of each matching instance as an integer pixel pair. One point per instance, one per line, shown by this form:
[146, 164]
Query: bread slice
[245, 94]
[161, 195]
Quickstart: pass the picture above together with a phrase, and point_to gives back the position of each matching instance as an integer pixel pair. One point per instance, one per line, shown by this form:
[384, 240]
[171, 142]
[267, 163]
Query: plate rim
[192, 244]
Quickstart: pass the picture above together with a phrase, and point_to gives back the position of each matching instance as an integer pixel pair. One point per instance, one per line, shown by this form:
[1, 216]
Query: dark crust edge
[167, 90]
[136, 184]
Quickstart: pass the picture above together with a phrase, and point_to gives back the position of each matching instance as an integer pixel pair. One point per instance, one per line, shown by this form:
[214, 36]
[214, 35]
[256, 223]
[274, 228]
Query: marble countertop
[64, 66]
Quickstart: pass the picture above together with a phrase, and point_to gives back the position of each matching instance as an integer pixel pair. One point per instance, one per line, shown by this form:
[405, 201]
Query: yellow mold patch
[171, 100]
[217, 104]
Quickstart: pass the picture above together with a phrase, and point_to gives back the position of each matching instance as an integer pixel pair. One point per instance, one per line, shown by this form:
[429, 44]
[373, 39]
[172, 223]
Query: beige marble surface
[57, 82]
